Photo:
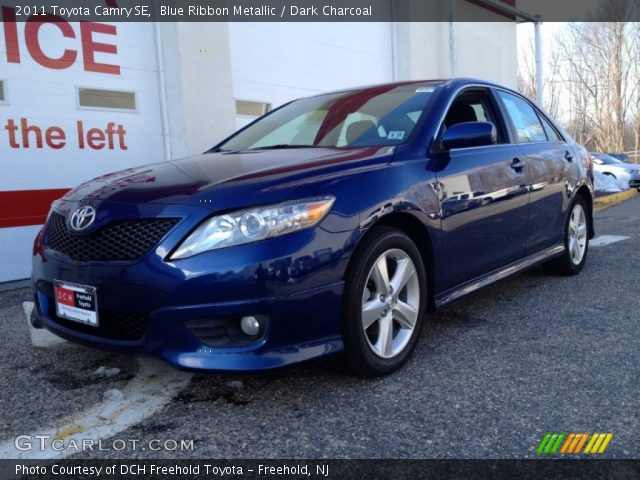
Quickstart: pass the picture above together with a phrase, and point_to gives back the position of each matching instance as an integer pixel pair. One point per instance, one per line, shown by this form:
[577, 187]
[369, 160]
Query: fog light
[250, 326]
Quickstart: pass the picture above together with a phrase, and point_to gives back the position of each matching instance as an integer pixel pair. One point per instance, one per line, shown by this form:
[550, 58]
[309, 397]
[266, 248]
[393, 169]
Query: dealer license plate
[78, 303]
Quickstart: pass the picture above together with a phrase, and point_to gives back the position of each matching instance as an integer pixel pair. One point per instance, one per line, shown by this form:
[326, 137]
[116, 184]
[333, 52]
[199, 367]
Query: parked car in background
[623, 157]
[334, 223]
[628, 173]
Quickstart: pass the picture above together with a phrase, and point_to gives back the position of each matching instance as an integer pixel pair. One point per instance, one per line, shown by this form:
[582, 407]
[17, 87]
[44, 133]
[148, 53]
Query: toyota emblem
[82, 218]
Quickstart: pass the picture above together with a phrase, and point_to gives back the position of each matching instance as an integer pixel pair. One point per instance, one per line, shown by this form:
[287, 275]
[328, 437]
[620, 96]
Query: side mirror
[469, 134]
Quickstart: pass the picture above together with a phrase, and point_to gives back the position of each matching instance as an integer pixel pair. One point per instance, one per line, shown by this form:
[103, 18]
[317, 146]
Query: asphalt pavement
[492, 373]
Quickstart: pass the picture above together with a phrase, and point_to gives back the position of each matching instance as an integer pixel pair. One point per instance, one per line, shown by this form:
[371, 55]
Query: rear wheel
[384, 302]
[576, 242]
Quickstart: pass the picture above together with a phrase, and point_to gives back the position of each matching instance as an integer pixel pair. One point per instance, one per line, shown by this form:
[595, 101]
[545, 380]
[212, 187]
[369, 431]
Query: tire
[575, 255]
[394, 316]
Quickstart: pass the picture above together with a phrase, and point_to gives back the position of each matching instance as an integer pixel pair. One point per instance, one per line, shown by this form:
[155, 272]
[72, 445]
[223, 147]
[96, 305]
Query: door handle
[517, 164]
[568, 156]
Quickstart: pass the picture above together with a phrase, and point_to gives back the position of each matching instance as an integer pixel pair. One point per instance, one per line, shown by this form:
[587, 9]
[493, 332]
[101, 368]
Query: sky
[547, 29]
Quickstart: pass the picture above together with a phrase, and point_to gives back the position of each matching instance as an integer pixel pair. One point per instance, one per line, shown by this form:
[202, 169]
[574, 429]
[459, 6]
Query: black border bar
[325, 10]
[583, 469]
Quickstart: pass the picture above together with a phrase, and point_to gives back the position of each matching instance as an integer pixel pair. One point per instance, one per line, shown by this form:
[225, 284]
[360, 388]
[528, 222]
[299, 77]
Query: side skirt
[500, 274]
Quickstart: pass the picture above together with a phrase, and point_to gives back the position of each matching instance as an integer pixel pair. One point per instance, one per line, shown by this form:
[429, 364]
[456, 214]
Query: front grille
[118, 240]
[113, 325]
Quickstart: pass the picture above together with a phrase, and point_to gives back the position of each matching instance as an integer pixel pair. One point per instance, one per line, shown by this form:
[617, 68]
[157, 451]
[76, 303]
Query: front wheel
[384, 302]
[576, 242]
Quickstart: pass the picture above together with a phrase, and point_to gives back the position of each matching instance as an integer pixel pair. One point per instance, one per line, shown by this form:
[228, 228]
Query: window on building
[252, 109]
[97, 98]
[2, 96]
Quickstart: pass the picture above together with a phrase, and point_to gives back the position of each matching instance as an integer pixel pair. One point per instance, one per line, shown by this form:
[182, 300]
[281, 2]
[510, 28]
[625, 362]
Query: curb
[602, 203]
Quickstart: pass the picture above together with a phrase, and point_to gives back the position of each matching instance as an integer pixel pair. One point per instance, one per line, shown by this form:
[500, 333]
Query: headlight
[254, 224]
[629, 170]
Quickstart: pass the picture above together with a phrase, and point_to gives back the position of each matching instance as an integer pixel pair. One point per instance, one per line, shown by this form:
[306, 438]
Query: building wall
[488, 51]
[199, 88]
[485, 50]
[207, 69]
[278, 62]
[34, 171]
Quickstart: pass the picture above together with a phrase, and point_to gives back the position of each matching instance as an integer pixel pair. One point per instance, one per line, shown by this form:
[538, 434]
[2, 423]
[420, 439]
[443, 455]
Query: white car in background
[607, 168]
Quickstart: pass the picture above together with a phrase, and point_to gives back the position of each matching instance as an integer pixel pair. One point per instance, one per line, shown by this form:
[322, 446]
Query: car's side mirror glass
[469, 134]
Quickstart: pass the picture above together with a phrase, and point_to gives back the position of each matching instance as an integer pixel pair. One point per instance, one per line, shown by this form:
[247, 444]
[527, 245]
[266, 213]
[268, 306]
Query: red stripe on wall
[19, 208]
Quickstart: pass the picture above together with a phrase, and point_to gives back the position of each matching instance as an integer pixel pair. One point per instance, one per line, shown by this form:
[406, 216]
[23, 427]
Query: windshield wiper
[281, 146]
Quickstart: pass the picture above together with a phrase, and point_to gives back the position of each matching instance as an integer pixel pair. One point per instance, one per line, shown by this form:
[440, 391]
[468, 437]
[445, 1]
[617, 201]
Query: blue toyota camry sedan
[335, 223]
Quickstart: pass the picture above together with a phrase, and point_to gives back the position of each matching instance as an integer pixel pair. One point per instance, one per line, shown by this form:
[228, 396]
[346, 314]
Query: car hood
[623, 166]
[229, 179]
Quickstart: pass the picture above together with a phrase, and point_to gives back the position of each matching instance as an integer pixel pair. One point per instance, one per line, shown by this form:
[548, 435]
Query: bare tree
[551, 81]
[600, 72]
[592, 79]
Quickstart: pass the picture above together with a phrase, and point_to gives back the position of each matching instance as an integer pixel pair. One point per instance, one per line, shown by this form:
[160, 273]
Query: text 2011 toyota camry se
[334, 223]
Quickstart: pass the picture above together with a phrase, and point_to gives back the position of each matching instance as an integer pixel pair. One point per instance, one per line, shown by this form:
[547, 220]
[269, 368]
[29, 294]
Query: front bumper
[302, 327]
[294, 281]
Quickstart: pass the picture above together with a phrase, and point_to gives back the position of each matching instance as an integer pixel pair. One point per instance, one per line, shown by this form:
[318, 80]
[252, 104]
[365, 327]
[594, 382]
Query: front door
[484, 196]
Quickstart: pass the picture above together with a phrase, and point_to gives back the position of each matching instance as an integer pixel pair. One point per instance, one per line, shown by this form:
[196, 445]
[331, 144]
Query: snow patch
[606, 183]
[106, 372]
[113, 395]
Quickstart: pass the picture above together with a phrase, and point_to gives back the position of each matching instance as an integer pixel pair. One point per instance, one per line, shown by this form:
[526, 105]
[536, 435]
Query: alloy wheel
[390, 303]
[577, 234]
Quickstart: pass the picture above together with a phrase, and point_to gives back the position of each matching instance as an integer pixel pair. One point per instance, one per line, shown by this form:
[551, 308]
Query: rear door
[484, 195]
[550, 170]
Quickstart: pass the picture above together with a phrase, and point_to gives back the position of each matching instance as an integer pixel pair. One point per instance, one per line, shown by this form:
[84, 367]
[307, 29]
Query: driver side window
[475, 106]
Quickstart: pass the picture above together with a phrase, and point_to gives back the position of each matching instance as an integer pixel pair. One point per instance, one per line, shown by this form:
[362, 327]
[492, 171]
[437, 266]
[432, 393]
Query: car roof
[449, 82]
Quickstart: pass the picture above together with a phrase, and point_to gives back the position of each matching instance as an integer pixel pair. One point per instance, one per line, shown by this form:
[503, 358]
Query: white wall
[199, 90]
[278, 62]
[488, 51]
[485, 50]
[47, 97]
[423, 50]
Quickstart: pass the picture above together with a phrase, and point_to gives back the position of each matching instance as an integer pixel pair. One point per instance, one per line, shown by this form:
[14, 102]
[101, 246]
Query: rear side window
[552, 133]
[524, 119]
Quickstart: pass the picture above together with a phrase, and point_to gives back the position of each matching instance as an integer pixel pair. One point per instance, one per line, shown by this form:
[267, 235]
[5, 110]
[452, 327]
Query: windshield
[376, 116]
[606, 159]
